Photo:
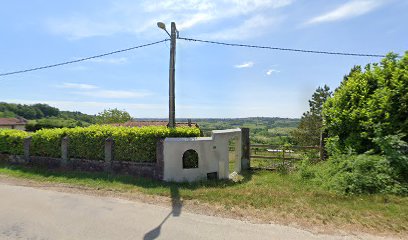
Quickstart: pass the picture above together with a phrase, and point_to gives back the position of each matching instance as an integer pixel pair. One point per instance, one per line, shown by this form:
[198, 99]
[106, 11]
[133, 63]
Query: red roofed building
[153, 123]
[13, 123]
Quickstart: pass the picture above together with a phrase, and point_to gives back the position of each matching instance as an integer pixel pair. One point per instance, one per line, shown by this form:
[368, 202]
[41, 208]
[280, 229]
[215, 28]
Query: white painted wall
[212, 156]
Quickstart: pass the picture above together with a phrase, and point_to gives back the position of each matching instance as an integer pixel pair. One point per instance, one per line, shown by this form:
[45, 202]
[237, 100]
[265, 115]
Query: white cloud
[114, 94]
[350, 9]
[135, 17]
[82, 86]
[270, 71]
[250, 28]
[90, 90]
[245, 65]
[194, 20]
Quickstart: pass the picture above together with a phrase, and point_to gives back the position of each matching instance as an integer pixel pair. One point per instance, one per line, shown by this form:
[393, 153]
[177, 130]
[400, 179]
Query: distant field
[265, 130]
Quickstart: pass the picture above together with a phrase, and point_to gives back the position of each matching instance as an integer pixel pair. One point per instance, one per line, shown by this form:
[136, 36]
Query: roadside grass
[269, 196]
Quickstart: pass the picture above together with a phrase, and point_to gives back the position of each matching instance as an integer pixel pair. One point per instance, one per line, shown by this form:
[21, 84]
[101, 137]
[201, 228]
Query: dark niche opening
[190, 159]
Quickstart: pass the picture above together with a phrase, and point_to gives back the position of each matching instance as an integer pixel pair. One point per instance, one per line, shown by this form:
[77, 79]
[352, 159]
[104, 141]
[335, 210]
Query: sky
[211, 81]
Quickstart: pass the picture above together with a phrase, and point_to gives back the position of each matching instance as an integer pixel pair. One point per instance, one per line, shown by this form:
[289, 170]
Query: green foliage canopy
[310, 126]
[11, 141]
[131, 144]
[113, 116]
[369, 102]
[54, 122]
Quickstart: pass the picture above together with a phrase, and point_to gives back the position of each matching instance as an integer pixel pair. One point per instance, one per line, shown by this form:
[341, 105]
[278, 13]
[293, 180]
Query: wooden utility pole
[172, 71]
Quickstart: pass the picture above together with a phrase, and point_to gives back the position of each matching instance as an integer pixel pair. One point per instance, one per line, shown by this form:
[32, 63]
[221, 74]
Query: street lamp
[163, 26]
[172, 70]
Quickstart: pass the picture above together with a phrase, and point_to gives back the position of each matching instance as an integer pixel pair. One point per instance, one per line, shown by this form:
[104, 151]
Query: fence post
[159, 159]
[246, 149]
[26, 145]
[64, 151]
[323, 153]
[109, 154]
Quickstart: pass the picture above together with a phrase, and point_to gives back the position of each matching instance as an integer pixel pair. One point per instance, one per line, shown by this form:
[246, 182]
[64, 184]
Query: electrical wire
[282, 49]
[82, 59]
[194, 40]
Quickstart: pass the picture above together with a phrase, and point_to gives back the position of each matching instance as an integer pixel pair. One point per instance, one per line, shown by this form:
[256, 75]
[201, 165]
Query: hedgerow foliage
[47, 142]
[131, 144]
[367, 123]
[11, 141]
[368, 101]
[355, 174]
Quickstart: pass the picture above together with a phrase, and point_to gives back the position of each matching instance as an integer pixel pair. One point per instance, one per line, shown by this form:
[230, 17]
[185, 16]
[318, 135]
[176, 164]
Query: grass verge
[268, 196]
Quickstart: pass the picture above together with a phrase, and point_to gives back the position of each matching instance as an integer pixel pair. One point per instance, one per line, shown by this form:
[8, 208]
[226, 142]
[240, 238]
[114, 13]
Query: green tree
[113, 116]
[310, 126]
[47, 110]
[370, 103]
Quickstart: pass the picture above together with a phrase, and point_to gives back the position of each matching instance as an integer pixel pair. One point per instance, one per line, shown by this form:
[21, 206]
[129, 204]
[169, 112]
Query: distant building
[13, 123]
[154, 123]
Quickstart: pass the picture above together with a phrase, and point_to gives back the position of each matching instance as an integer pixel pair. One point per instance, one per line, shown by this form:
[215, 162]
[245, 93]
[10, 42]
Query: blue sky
[211, 80]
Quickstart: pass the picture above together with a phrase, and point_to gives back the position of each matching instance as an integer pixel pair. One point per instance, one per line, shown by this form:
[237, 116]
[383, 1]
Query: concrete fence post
[159, 159]
[109, 154]
[26, 145]
[246, 149]
[64, 151]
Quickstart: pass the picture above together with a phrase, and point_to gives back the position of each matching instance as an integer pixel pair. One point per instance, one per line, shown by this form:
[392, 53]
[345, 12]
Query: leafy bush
[88, 143]
[396, 151]
[47, 142]
[11, 141]
[139, 144]
[306, 169]
[113, 116]
[53, 122]
[368, 100]
[131, 144]
[355, 174]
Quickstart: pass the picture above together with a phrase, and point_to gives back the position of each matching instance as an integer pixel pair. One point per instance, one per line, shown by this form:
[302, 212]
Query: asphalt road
[31, 213]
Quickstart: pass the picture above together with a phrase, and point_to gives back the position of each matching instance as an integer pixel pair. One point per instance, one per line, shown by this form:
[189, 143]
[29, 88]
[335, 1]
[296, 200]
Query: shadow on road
[176, 205]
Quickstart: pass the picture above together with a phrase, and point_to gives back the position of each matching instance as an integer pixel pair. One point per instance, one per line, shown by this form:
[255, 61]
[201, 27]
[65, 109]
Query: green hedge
[11, 141]
[131, 144]
[47, 142]
[139, 144]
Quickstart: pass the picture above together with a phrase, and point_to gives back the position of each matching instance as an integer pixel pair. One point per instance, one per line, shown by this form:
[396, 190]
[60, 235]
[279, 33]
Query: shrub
[396, 151]
[11, 141]
[376, 97]
[53, 122]
[47, 142]
[131, 144]
[357, 174]
[139, 144]
[306, 169]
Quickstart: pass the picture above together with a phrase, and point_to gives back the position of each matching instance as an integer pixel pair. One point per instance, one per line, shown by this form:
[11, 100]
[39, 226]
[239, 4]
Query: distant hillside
[39, 111]
[265, 130]
[222, 123]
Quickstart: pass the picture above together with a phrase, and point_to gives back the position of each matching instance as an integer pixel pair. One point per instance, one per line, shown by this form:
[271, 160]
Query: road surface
[32, 213]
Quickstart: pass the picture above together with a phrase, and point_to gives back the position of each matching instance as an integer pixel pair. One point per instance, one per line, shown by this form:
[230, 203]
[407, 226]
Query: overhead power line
[82, 59]
[193, 40]
[282, 49]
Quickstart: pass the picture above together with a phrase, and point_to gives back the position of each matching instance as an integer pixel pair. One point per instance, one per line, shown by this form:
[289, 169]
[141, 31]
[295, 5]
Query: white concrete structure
[213, 156]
